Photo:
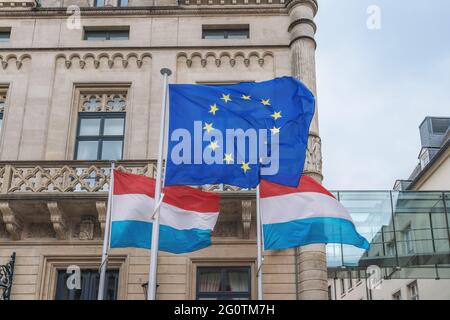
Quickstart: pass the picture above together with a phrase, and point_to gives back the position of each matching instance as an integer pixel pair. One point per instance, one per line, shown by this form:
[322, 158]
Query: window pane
[95, 35]
[87, 150]
[114, 127]
[99, 3]
[4, 36]
[213, 34]
[123, 3]
[112, 150]
[89, 286]
[209, 280]
[119, 35]
[89, 127]
[238, 34]
[237, 281]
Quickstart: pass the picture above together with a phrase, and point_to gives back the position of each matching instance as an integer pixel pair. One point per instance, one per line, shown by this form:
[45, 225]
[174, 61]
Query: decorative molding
[101, 216]
[59, 220]
[22, 4]
[13, 223]
[246, 218]
[302, 21]
[104, 60]
[10, 61]
[313, 163]
[103, 102]
[65, 176]
[221, 59]
[86, 228]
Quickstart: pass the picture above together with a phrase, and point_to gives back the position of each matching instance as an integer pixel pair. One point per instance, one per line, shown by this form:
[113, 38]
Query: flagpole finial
[165, 71]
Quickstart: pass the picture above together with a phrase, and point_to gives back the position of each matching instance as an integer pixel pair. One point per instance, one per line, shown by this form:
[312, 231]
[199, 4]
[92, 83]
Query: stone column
[311, 264]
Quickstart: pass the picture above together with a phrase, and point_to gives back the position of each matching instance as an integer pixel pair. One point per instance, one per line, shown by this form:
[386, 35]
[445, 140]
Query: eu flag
[237, 134]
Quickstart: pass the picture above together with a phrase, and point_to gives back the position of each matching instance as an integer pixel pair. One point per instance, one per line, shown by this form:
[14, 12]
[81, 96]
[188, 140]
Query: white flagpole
[104, 264]
[151, 292]
[259, 245]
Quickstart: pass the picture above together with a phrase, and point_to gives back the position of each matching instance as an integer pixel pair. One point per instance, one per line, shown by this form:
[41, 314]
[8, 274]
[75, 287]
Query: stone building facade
[75, 93]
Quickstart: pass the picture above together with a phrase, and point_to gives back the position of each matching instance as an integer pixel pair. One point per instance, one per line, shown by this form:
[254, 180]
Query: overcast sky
[376, 86]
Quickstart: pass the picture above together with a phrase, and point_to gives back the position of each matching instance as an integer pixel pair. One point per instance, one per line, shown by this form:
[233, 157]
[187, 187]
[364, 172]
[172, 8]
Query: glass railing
[405, 230]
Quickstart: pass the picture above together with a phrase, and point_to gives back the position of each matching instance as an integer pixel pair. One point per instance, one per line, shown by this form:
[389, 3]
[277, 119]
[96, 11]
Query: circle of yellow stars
[208, 127]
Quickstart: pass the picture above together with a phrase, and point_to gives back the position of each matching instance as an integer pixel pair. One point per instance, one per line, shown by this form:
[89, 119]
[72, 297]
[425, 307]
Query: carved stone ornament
[11, 220]
[246, 218]
[59, 220]
[314, 155]
[86, 228]
[101, 211]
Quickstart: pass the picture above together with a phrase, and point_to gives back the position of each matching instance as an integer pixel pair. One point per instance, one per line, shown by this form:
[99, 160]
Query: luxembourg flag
[308, 214]
[187, 215]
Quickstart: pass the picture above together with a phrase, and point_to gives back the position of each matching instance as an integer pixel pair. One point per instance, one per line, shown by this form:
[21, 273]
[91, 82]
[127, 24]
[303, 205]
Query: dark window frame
[226, 30]
[223, 295]
[7, 32]
[100, 137]
[90, 280]
[107, 32]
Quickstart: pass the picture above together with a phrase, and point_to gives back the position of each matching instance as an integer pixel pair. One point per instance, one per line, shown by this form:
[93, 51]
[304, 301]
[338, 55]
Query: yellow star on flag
[225, 97]
[208, 127]
[275, 130]
[276, 115]
[214, 145]
[244, 97]
[228, 158]
[245, 167]
[265, 102]
[213, 109]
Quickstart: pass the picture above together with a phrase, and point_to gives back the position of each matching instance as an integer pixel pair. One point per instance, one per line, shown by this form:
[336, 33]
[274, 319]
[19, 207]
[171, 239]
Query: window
[99, 3]
[101, 126]
[413, 291]
[102, 34]
[100, 136]
[397, 295]
[122, 3]
[88, 285]
[225, 31]
[223, 283]
[5, 34]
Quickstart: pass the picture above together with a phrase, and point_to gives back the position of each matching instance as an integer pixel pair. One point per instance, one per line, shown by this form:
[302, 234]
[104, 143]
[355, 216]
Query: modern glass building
[408, 231]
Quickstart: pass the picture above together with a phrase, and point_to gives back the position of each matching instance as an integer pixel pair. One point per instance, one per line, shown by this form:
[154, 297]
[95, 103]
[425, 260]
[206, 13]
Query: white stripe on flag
[139, 207]
[301, 205]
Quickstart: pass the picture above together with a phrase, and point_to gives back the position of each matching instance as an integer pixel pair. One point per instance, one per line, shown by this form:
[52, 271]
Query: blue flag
[237, 134]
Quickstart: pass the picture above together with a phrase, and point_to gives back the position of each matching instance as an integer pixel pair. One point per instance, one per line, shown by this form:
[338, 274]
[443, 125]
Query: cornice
[139, 48]
[150, 11]
[312, 3]
[304, 37]
[302, 21]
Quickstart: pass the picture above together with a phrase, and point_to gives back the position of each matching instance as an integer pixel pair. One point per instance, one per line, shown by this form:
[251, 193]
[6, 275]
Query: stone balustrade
[73, 176]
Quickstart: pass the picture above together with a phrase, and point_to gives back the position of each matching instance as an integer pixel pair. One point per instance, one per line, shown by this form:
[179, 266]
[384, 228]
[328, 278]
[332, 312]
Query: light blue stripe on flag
[301, 232]
[131, 233]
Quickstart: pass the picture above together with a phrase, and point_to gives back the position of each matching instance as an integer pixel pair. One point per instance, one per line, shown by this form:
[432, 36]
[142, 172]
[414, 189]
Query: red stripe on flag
[191, 199]
[128, 183]
[307, 184]
[183, 197]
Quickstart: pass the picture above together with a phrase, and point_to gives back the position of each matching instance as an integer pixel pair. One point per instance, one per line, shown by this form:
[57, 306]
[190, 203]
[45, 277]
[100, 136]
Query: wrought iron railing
[6, 278]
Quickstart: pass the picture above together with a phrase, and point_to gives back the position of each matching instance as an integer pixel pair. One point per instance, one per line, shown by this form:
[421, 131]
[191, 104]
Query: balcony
[66, 200]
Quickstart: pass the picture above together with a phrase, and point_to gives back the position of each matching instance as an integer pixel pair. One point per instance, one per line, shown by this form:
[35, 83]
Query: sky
[375, 86]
